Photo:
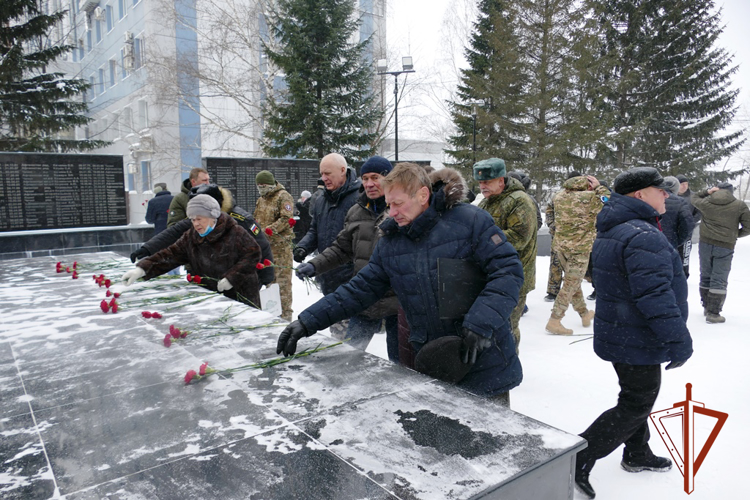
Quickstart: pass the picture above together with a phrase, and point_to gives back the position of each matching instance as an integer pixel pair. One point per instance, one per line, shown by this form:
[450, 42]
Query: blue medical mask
[208, 230]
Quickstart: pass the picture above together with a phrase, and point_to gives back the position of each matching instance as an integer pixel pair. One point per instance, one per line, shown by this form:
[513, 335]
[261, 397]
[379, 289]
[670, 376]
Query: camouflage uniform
[555, 268]
[515, 213]
[576, 209]
[273, 211]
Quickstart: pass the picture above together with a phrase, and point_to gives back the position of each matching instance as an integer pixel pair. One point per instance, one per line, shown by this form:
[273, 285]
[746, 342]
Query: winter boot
[587, 317]
[550, 297]
[556, 328]
[592, 296]
[638, 462]
[704, 299]
[583, 485]
[715, 302]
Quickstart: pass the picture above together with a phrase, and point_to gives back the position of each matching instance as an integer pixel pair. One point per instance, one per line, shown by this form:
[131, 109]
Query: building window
[121, 8]
[142, 115]
[126, 122]
[98, 28]
[92, 88]
[81, 52]
[138, 47]
[88, 40]
[123, 65]
[112, 72]
[131, 182]
[145, 175]
[102, 80]
[110, 21]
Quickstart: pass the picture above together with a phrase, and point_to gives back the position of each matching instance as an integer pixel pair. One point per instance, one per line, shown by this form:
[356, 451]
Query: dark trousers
[628, 421]
[716, 262]
[362, 329]
[684, 252]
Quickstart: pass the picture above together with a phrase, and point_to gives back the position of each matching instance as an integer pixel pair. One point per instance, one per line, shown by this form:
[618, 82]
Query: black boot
[592, 296]
[704, 299]
[583, 485]
[550, 297]
[715, 301]
[637, 462]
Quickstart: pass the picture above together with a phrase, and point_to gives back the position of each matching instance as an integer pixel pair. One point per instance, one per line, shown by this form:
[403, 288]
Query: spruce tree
[328, 104]
[36, 105]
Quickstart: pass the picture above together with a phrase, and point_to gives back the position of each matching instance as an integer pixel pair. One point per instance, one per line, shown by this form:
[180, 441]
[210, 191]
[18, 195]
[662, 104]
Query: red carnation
[259, 266]
[156, 315]
[202, 369]
[189, 376]
[75, 264]
[168, 340]
[189, 277]
[175, 333]
[67, 269]
[183, 334]
[114, 308]
[172, 328]
[197, 279]
[109, 294]
[105, 307]
[94, 277]
[112, 302]
[267, 263]
[107, 283]
[117, 295]
[75, 275]
[59, 269]
[269, 231]
[292, 222]
[146, 314]
[59, 264]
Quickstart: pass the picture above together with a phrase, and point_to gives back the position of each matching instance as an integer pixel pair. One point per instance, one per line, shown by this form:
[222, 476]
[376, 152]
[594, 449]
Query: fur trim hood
[228, 201]
[454, 186]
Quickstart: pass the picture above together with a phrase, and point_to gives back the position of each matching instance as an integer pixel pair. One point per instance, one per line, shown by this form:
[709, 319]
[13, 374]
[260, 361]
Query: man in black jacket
[684, 249]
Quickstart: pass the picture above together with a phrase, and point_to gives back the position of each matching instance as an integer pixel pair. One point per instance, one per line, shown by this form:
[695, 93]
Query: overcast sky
[415, 28]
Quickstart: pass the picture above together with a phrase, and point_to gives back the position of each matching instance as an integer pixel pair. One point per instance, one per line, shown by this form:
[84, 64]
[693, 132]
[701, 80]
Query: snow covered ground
[567, 386]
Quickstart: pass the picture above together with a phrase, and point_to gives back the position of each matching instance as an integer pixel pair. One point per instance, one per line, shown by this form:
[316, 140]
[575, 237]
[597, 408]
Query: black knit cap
[681, 178]
[639, 178]
[211, 190]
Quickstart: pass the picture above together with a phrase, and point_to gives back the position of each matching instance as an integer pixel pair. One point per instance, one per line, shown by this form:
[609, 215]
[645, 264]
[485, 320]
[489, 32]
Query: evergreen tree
[667, 86]
[328, 104]
[36, 105]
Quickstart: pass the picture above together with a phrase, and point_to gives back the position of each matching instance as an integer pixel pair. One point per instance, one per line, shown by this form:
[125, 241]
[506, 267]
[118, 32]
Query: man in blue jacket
[427, 222]
[640, 322]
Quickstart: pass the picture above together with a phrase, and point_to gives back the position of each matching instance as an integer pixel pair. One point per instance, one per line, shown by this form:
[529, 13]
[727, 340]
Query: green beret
[489, 169]
[265, 177]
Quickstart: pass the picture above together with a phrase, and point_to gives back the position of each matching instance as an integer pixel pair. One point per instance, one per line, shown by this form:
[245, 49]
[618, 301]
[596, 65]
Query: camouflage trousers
[555, 274]
[282, 255]
[515, 318]
[574, 269]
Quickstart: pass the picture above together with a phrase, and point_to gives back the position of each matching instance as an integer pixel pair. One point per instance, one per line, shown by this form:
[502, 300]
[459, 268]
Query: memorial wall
[54, 191]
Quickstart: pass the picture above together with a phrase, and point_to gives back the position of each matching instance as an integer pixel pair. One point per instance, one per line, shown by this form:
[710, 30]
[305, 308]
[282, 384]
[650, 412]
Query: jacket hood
[453, 186]
[352, 183]
[621, 209]
[227, 203]
[580, 183]
[186, 186]
[721, 197]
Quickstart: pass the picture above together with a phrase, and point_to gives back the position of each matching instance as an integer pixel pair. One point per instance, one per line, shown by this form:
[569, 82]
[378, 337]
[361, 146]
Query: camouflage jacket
[576, 209]
[515, 213]
[274, 211]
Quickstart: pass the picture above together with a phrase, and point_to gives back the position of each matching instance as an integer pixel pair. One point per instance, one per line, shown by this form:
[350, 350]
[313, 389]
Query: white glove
[223, 285]
[132, 275]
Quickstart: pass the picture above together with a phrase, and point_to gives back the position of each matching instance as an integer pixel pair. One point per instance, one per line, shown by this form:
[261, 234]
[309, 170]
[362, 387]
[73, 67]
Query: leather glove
[290, 336]
[139, 254]
[299, 254]
[305, 270]
[132, 275]
[473, 344]
[675, 364]
[223, 285]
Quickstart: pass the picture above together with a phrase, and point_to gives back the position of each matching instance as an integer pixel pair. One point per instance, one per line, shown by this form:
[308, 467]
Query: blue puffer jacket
[328, 214]
[641, 291]
[405, 259]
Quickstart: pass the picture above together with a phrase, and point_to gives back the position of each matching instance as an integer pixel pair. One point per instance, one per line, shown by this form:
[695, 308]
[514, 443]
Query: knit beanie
[203, 205]
[376, 165]
[725, 185]
[265, 177]
[672, 184]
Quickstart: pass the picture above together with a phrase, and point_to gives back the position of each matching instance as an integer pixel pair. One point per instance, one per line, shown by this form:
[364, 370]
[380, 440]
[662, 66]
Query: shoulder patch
[288, 207]
[255, 229]
[496, 239]
[237, 216]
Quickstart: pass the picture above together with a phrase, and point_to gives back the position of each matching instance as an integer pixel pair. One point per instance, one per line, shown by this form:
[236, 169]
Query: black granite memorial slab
[6, 353]
[12, 394]
[24, 470]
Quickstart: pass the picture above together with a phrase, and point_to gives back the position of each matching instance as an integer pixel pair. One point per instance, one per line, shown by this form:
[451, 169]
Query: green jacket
[725, 218]
[178, 207]
[576, 209]
[515, 213]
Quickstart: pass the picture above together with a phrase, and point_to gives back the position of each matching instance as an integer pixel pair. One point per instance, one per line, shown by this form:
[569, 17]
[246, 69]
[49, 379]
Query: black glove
[290, 336]
[299, 254]
[139, 254]
[305, 270]
[675, 364]
[472, 346]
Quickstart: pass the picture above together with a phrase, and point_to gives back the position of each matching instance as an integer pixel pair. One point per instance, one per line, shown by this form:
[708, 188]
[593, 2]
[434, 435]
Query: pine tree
[328, 104]
[36, 105]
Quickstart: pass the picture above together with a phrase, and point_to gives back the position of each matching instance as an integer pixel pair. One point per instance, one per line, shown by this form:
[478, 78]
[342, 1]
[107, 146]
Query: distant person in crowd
[355, 243]
[725, 218]
[157, 210]
[273, 211]
[328, 213]
[576, 208]
[684, 250]
[241, 216]
[525, 180]
[303, 216]
[216, 248]
[428, 221]
[555, 276]
[677, 222]
[515, 213]
[177, 209]
[641, 315]
[320, 188]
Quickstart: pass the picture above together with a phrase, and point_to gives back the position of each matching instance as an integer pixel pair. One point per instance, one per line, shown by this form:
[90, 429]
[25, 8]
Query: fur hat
[725, 185]
[265, 177]
[377, 165]
[203, 205]
[638, 178]
[491, 168]
[673, 185]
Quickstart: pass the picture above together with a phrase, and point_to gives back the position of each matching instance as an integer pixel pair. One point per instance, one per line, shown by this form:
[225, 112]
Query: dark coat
[687, 195]
[226, 252]
[677, 223]
[157, 211]
[173, 233]
[328, 214]
[641, 290]
[355, 243]
[725, 218]
[405, 259]
[303, 224]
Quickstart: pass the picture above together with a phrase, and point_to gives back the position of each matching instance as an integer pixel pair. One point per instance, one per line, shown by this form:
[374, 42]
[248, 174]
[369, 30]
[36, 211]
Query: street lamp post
[407, 67]
[474, 105]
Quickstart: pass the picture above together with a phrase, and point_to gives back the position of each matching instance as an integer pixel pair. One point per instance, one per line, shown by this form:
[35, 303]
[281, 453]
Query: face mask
[208, 230]
[264, 189]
